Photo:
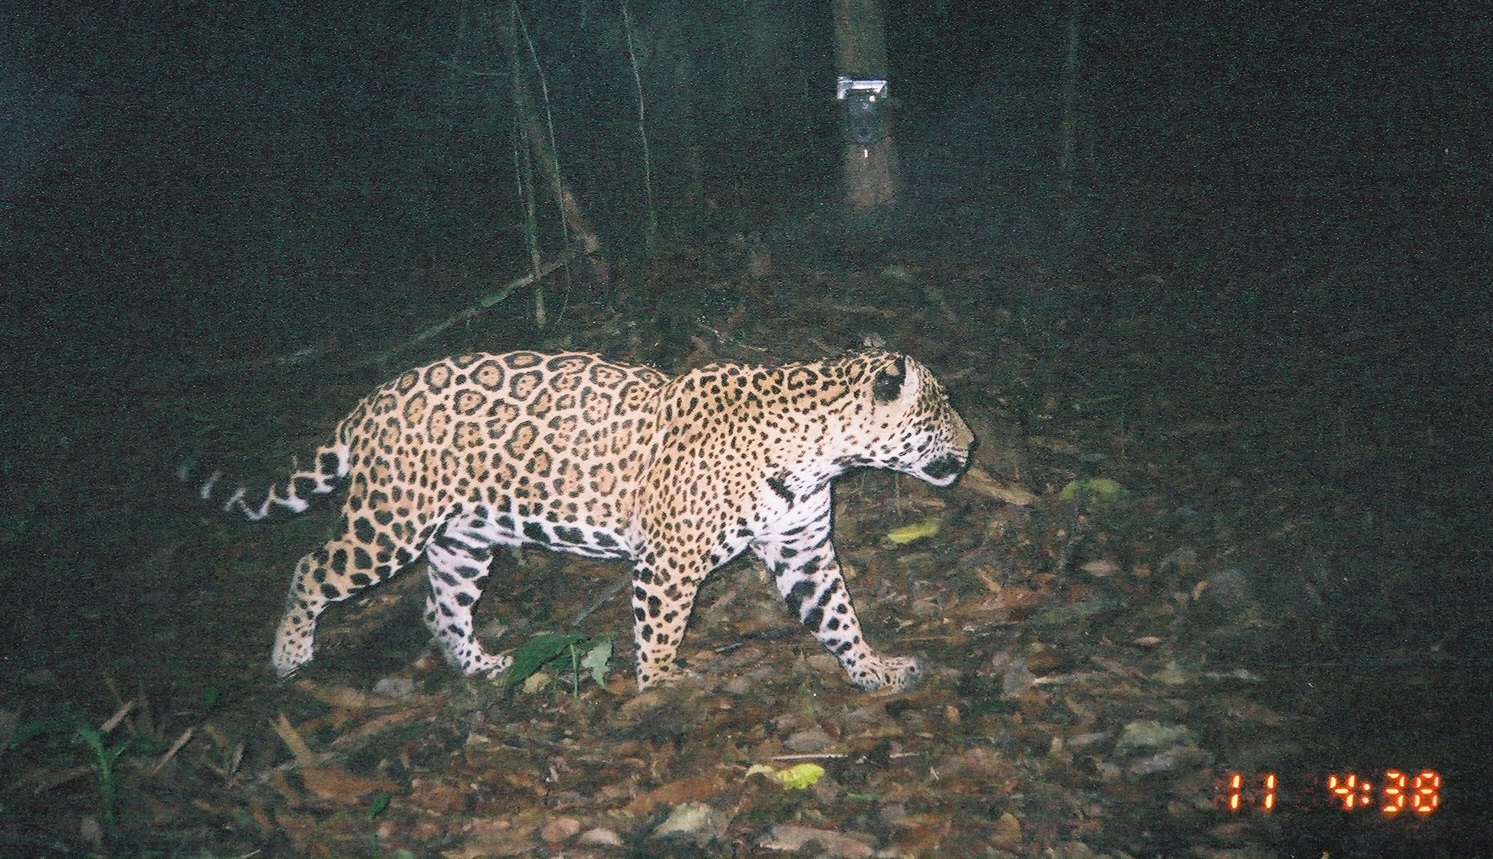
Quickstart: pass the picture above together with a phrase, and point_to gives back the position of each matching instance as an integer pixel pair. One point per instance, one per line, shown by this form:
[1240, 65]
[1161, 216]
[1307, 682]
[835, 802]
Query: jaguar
[578, 454]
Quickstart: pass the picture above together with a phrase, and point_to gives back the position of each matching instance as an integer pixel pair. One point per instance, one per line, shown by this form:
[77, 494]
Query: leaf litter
[1078, 626]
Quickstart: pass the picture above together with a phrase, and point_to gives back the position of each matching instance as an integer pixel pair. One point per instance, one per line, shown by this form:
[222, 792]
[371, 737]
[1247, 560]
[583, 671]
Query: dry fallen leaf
[293, 741]
[691, 789]
[332, 781]
[559, 830]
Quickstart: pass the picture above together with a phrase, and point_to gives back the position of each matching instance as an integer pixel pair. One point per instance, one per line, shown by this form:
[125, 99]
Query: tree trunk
[871, 171]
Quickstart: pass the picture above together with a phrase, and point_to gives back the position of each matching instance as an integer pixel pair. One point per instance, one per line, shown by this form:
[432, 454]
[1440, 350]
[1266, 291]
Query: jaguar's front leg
[807, 572]
[661, 604]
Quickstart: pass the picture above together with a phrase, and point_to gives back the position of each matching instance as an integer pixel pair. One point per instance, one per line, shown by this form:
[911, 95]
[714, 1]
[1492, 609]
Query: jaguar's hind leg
[332, 573]
[295, 640]
[456, 572]
[320, 579]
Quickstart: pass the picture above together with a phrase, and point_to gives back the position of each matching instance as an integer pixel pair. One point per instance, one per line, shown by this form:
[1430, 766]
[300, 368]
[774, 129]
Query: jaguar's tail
[291, 495]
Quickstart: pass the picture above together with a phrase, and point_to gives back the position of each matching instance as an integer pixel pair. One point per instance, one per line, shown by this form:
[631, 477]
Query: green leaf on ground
[536, 652]
[596, 660]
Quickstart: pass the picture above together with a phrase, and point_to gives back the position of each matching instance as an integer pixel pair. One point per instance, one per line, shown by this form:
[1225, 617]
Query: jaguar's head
[910, 425]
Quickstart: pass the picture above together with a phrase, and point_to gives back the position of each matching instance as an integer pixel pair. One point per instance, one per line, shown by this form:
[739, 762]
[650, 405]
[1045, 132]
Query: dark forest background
[219, 161]
[1259, 298]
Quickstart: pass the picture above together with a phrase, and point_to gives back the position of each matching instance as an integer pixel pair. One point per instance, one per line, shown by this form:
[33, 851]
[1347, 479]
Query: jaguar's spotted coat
[581, 455]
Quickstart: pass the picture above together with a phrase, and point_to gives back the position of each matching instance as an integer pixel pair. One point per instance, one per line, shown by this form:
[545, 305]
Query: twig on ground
[175, 747]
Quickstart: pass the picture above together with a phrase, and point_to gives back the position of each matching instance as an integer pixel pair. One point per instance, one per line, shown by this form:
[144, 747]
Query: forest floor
[1134, 593]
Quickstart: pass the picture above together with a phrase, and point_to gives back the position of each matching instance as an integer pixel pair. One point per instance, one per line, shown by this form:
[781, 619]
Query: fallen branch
[498, 295]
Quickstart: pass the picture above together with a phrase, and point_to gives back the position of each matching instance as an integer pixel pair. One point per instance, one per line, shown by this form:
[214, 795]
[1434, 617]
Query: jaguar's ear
[894, 381]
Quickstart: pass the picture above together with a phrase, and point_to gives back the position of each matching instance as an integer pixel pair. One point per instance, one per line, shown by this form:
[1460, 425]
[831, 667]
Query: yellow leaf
[797, 777]
[916, 531]
[801, 776]
[1100, 489]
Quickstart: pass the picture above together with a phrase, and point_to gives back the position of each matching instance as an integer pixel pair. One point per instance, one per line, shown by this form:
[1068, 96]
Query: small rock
[694, 820]
[1183, 561]
[1017, 679]
[394, 687]
[90, 832]
[600, 837]
[808, 741]
[1167, 761]
[1227, 589]
[1150, 734]
[1083, 741]
[559, 830]
[825, 663]
[792, 839]
[1101, 568]
[927, 607]
[642, 703]
[1173, 675]
[893, 813]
